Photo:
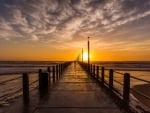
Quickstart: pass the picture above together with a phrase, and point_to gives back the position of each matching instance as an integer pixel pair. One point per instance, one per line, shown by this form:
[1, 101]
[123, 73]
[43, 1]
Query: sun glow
[85, 56]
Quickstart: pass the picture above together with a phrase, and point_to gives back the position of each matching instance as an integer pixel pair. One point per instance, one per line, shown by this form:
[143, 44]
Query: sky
[119, 30]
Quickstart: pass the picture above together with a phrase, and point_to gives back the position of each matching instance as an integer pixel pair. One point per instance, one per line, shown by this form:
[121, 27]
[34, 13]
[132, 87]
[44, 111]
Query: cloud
[34, 38]
[112, 26]
[65, 20]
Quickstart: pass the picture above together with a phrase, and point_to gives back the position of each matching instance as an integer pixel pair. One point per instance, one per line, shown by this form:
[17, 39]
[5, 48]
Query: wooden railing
[45, 79]
[108, 80]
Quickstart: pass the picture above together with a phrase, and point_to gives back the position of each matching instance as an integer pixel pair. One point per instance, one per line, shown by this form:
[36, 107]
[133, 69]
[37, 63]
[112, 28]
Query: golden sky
[58, 29]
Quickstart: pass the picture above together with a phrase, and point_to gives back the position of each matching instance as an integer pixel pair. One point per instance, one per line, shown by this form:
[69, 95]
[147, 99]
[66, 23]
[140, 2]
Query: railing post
[93, 70]
[48, 69]
[97, 72]
[126, 88]
[87, 67]
[111, 79]
[60, 70]
[53, 74]
[103, 69]
[49, 72]
[25, 86]
[57, 72]
[44, 80]
[40, 86]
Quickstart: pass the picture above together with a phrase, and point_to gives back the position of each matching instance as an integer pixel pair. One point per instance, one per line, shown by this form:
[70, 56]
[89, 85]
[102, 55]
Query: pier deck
[75, 92]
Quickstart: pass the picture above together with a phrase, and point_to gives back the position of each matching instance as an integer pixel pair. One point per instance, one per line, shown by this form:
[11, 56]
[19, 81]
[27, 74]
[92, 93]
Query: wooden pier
[74, 92]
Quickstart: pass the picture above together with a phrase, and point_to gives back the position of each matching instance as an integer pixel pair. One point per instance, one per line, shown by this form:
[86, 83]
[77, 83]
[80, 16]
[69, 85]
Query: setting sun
[85, 56]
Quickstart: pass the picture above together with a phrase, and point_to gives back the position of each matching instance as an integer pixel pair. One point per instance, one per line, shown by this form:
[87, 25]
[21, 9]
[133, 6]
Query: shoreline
[145, 89]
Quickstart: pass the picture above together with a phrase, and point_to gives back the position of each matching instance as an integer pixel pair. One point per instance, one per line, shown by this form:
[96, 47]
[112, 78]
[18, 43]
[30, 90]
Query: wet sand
[144, 89]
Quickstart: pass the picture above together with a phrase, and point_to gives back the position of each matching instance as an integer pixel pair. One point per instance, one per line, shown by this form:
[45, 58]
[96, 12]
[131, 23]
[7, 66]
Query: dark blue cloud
[7, 2]
[140, 5]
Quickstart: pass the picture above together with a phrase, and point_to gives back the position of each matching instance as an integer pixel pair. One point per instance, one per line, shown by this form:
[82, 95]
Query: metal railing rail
[53, 72]
[3, 82]
[125, 95]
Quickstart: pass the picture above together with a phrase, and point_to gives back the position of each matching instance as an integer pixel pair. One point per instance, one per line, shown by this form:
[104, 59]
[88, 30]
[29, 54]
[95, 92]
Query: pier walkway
[75, 92]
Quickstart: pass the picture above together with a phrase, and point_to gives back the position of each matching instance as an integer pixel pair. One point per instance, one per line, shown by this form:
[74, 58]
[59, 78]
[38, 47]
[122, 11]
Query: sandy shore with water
[144, 89]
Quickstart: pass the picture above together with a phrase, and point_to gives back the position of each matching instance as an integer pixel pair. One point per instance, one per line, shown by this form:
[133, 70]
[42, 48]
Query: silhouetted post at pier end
[88, 54]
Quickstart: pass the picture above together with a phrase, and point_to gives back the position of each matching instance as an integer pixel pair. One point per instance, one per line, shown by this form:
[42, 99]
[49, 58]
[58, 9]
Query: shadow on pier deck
[75, 92]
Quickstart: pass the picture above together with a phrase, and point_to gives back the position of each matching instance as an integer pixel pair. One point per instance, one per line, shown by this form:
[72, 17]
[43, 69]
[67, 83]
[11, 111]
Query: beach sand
[144, 89]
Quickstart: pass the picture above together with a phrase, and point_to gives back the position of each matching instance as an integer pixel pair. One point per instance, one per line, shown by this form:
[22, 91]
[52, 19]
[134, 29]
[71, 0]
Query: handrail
[34, 82]
[139, 93]
[119, 82]
[1, 83]
[125, 92]
[118, 72]
[140, 79]
[18, 90]
[13, 73]
[44, 80]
